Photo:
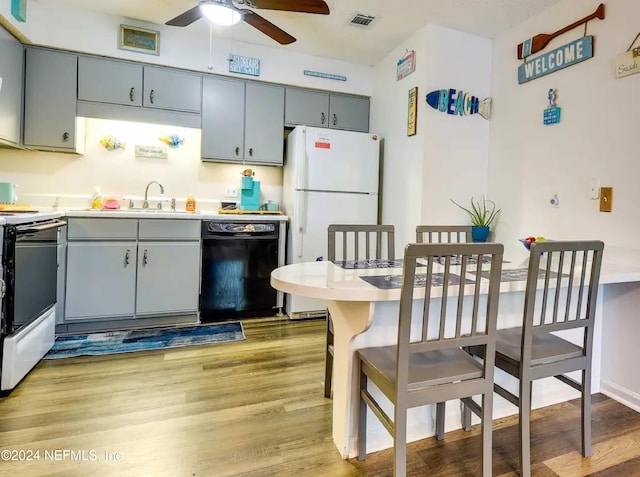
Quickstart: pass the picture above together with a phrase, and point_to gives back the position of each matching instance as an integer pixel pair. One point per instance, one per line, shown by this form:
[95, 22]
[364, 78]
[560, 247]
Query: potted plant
[482, 213]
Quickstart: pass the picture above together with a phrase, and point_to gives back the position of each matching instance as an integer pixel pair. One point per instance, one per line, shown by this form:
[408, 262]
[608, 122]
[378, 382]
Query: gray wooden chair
[443, 233]
[560, 295]
[354, 242]
[432, 366]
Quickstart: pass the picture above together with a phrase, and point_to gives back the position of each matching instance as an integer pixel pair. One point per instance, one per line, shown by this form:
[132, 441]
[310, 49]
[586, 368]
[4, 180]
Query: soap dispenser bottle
[190, 204]
[96, 199]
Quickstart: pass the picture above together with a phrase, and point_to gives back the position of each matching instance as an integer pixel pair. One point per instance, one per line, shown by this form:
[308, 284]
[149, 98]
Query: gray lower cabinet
[101, 280]
[329, 110]
[242, 121]
[130, 84]
[50, 101]
[11, 72]
[168, 278]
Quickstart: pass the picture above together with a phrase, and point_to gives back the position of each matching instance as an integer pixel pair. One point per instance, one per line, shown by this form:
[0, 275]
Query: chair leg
[400, 441]
[466, 416]
[487, 433]
[586, 412]
[525, 427]
[328, 360]
[440, 411]
[362, 416]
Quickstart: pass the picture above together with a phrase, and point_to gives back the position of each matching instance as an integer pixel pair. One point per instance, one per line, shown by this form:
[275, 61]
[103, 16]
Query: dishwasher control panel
[239, 227]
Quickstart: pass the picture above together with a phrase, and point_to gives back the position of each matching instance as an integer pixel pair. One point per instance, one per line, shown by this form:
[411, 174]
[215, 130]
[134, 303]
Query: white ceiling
[330, 35]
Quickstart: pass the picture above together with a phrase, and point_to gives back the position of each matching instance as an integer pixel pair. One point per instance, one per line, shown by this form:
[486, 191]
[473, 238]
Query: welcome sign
[567, 55]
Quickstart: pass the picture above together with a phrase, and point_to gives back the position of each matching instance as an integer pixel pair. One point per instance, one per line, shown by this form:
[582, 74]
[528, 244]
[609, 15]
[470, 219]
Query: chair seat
[426, 368]
[546, 347]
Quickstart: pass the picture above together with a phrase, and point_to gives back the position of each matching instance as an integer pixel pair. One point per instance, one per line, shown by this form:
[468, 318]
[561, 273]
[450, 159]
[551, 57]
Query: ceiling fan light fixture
[220, 14]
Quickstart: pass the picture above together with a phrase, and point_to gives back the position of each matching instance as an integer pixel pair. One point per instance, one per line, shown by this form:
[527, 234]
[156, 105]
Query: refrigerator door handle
[301, 220]
[301, 171]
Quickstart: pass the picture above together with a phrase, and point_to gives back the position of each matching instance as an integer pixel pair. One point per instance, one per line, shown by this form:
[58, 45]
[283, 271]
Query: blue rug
[145, 339]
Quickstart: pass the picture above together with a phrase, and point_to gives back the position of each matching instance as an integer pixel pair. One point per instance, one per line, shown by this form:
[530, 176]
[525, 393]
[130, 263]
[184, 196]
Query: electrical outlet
[232, 192]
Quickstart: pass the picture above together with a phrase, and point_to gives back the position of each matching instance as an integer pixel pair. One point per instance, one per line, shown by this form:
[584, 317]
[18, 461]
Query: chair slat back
[562, 288]
[466, 313]
[443, 233]
[361, 242]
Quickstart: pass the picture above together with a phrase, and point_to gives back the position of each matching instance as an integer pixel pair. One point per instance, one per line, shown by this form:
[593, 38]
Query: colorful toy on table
[172, 140]
[111, 143]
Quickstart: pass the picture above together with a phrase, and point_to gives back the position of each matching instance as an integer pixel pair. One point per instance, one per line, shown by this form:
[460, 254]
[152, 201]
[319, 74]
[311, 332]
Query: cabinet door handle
[65, 137]
[237, 151]
[335, 119]
[151, 96]
[132, 92]
[127, 256]
[323, 118]
[251, 151]
[144, 258]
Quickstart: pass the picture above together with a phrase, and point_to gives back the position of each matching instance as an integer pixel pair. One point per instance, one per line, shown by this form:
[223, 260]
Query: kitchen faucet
[145, 204]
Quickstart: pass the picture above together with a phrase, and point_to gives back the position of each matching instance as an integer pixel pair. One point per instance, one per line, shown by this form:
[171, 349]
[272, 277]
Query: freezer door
[307, 241]
[341, 161]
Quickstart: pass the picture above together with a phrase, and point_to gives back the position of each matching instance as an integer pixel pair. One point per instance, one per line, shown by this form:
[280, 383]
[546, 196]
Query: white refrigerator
[329, 177]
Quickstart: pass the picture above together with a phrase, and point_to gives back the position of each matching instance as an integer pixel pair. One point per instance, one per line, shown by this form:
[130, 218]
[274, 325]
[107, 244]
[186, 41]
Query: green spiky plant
[482, 213]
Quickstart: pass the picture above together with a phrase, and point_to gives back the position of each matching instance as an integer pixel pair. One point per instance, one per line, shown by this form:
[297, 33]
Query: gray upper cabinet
[120, 82]
[171, 89]
[349, 112]
[50, 100]
[329, 110]
[310, 108]
[264, 124]
[11, 71]
[107, 81]
[242, 121]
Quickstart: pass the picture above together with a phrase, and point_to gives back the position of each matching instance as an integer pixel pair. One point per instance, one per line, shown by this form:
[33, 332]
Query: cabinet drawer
[178, 229]
[95, 229]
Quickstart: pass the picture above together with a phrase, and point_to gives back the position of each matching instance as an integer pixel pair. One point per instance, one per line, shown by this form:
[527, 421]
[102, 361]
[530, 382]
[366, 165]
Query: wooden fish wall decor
[459, 103]
[541, 40]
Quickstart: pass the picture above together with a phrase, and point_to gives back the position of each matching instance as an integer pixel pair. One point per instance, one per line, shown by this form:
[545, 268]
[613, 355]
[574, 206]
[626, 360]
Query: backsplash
[67, 181]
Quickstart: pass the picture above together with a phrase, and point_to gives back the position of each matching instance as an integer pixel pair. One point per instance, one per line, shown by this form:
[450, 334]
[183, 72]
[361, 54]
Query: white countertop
[167, 214]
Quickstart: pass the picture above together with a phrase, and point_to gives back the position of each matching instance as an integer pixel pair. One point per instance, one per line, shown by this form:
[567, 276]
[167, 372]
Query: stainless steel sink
[142, 211]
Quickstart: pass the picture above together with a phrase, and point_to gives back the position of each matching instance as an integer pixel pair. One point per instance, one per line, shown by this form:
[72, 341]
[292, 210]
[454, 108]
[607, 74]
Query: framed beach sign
[139, 39]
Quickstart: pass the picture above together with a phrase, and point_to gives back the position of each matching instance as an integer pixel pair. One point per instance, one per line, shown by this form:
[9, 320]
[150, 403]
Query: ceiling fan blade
[303, 6]
[186, 18]
[266, 27]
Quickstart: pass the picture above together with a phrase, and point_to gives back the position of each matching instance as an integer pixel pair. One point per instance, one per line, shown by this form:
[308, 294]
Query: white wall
[80, 30]
[448, 157]
[596, 138]
[48, 179]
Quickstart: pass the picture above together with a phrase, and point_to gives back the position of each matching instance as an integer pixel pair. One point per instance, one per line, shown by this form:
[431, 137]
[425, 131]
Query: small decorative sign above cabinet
[139, 39]
[406, 65]
[459, 103]
[551, 115]
[244, 65]
[19, 10]
[318, 74]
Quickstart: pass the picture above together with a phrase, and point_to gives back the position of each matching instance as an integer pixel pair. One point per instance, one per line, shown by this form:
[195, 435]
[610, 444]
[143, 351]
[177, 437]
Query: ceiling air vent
[361, 20]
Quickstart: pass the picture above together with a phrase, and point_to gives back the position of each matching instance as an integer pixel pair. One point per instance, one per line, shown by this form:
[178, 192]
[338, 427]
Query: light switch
[606, 199]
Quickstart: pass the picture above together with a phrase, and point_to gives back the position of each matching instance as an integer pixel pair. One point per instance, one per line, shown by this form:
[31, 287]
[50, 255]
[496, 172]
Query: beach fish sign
[547, 63]
[459, 103]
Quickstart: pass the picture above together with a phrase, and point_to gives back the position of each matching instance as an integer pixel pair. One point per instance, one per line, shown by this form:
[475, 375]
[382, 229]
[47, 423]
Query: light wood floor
[253, 409]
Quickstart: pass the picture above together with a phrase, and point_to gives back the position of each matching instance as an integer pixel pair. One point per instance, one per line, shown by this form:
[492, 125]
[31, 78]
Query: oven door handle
[31, 228]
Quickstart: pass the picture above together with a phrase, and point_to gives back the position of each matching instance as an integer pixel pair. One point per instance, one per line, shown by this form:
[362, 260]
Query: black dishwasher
[237, 261]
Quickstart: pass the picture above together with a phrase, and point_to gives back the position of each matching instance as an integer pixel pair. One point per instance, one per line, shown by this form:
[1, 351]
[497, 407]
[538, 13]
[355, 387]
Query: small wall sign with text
[406, 65]
[138, 39]
[318, 74]
[156, 152]
[551, 114]
[459, 103]
[412, 120]
[19, 10]
[567, 55]
[628, 63]
[245, 65]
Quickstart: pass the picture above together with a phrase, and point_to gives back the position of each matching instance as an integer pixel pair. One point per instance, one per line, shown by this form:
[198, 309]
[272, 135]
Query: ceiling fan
[231, 13]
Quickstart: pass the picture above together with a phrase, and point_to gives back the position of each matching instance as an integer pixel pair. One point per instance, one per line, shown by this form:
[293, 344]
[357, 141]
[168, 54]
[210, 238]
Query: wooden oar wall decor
[567, 55]
[541, 40]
